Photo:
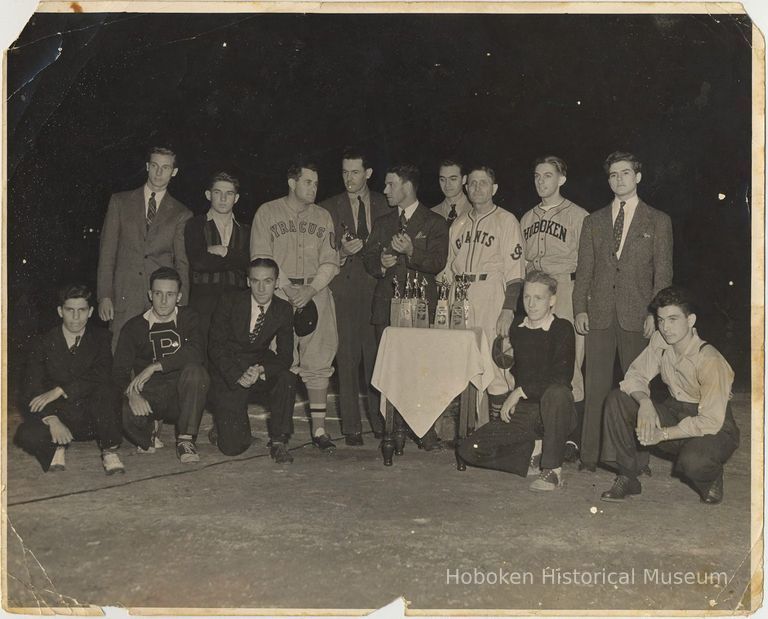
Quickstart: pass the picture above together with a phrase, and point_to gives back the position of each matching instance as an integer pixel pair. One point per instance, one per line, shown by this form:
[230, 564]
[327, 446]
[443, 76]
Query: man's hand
[504, 322]
[137, 384]
[351, 247]
[647, 422]
[657, 436]
[300, 295]
[649, 326]
[60, 433]
[218, 250]
[388, 260]
[508, 408]
[581, 323]
[250, 376]
[106, 309]
[139, 405]
[402, 244]
[38, 403]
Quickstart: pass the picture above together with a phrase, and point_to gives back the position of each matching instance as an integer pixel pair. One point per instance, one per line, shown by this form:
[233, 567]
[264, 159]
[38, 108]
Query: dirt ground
[344, 532]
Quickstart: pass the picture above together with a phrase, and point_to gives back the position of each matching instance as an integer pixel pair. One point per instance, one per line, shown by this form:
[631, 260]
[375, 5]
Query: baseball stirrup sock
[495, 402]
[317, 412]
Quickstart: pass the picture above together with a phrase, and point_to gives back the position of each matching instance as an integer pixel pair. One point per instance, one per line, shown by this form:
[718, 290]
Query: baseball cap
[305, 319]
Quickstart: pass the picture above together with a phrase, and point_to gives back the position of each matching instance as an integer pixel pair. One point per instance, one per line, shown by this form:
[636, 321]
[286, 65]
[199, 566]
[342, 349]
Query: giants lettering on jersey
[482, 238]
[165, 342]
[281, 227]
[546, 227]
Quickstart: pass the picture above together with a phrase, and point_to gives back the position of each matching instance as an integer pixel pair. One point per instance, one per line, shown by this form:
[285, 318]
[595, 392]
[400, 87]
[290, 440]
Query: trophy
[348, 234]
[442, 310]
[406, 307]
[389, 249]
[460, 310]
[421, 319]
[394, 304]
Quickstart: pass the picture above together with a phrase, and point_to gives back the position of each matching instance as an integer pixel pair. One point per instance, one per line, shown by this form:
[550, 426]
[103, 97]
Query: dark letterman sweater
[542, 358]
[172, 344]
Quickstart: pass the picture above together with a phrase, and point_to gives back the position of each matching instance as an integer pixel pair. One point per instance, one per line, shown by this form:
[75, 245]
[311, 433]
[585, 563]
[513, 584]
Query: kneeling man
[70, 388]
[694, 423]
[243, 327]
[162, 349]
[539, 413]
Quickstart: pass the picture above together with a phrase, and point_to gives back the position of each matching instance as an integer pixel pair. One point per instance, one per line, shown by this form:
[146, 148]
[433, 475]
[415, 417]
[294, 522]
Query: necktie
[257, 326]
[74, 346]
[151, 209]
[452, 215]
[618, 228]
[362, 220]
[403, 222]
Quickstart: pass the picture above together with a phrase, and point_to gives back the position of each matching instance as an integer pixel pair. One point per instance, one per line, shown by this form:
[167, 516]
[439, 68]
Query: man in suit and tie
[243, 327]
[625, 258]
[70, 389]
[143, 231]
[408, 241]
[353, 213]
[452, 180]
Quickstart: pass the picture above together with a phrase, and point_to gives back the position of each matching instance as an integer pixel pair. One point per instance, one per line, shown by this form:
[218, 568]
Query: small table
[421, 371]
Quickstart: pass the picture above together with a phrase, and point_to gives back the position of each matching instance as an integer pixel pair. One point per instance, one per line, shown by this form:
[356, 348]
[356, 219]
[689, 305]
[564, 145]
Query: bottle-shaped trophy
[394, 304]
[406, 313]
[441, 309]
[458, 309]
[422, 306]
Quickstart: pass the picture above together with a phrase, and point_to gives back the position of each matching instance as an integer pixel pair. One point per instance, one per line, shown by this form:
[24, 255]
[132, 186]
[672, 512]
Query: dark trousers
[178, 398]
[230, 411]
[357, 343]
[699, 459]
[93, 417]
[508, 446]
[601, 348]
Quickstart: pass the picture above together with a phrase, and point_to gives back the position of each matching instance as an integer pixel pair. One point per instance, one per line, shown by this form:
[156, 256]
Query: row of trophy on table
[411, 308]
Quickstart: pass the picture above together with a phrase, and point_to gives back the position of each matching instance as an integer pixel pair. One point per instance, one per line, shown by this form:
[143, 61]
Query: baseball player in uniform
[298, 235]
[452, 181]
[486, 246]
[551, 230]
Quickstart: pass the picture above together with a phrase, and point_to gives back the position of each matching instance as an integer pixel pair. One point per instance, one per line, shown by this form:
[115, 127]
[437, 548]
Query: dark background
[88, 93]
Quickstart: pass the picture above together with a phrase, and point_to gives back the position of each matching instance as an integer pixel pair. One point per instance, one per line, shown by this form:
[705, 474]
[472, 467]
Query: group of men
[307, 284]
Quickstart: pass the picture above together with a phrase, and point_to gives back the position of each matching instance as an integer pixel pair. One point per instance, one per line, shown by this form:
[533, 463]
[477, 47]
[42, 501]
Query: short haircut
[224, 177]
[618, 155]
[165, 273]
[407, 173]
[540, 277]
[483, 168]
[353, 153]
[295, 169]
[674, 295]
[558, 163]
[264, 262]
[75, 291]
[447, 163]
[163, 150]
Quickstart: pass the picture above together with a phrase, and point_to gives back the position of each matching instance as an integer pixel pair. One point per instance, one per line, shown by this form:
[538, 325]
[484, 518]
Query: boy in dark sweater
[70, 390]
[159, 368]
[529, 435]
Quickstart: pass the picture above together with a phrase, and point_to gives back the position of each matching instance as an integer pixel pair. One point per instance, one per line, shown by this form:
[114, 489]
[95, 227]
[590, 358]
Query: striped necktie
[74, 346]
[452, 215]
[618, 228]
[257, 326]
[151, 209]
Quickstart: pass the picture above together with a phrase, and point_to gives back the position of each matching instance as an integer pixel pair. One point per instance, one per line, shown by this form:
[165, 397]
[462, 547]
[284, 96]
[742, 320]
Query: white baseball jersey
[301, 242]
[552, 237]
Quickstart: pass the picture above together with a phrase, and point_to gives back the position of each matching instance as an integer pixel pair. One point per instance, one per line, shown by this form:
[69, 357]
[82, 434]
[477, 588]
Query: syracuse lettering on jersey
[305, 227]
[481, 238]
[546, 227]
[165, 342]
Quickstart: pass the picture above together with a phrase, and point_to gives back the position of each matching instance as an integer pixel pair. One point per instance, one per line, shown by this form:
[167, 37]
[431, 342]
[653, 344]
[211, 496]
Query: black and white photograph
[309, 308]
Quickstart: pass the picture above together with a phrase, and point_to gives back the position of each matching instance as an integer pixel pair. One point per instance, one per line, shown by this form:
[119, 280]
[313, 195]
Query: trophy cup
[422, 306]
[442, 310]
[394, 304]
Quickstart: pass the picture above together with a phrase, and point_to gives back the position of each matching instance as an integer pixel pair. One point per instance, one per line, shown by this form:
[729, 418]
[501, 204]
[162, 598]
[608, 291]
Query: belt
[301, 281]
[474, 277]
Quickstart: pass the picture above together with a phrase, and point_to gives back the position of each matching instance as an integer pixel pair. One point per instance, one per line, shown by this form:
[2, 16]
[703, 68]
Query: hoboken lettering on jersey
[546, 227]
[305, 227]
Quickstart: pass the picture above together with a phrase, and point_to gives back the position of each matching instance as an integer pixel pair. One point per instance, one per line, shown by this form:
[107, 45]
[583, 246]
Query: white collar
[213, 214]
[150, 317]
[630, 204]
[544, 325]
[159, 195]
[255, 306]
[409, 210]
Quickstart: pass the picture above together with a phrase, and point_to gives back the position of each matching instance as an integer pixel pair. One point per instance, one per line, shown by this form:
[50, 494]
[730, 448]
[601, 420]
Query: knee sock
[495, 402]
[317, 408]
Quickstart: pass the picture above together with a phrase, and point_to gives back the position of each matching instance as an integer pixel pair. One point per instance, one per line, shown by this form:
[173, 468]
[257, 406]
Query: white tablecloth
[420, 371]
